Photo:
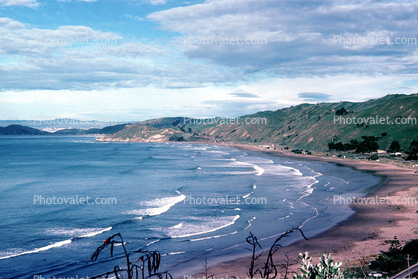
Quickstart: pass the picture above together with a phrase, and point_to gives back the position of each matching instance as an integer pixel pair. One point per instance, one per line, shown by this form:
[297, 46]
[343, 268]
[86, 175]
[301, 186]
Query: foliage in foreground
[269, 268]
[146, 266]
[148, 262]
[325, 269]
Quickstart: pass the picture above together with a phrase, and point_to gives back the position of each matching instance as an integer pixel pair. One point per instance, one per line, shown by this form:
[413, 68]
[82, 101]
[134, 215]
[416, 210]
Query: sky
[132, 60]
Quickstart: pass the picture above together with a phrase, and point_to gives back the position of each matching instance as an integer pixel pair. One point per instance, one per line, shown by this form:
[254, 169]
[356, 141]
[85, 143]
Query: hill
[21, 130]
[93, 131]
[53, 125]
[310, 126]
[24, 130]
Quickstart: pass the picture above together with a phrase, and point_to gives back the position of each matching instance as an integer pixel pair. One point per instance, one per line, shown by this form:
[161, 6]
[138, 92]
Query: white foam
[67, 232]
[177, 226]
[71, 232]
[152, 242]
[54, 245]
[247, 195]
[215, 236]
[308, 190]
[159, 206]
[206, 225]
[250, 222]
[176, 253]
[258, 170]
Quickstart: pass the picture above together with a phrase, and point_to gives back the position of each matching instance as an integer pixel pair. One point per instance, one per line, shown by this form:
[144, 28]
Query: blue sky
[130, 60]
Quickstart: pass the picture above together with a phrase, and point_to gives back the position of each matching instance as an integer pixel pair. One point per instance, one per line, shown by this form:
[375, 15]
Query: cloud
[244, 95]
[298, 38]
[81, 58]
[19, 3]
[314, 96]
[154, 2]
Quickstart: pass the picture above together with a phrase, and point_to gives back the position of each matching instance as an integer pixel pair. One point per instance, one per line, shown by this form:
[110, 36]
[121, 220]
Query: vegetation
[368, 144]
[176, 138]
[268, 269]
[413, 151]
[390, 262]
[394, 147]
[146, 266]
[148, 262]
[305, 126]
[325, 269]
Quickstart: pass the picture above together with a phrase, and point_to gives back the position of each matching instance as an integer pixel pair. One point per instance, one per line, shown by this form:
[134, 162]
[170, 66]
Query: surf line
[55, 245]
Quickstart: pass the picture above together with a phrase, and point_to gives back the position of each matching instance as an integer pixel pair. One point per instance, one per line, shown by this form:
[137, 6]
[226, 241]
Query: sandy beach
[362, 234]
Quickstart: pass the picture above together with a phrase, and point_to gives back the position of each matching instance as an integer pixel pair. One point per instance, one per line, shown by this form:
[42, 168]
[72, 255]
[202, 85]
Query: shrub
[411, 248]
[394, 146]
[325, 269]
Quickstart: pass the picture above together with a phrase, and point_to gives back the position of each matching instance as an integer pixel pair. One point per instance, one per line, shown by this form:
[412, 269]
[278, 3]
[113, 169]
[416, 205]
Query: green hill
[308, 126]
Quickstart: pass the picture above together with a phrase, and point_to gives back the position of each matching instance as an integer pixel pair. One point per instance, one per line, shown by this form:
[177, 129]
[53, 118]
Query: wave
[176, 253]
[84, 141]
[309, 190]
[207, 225]
[293, 171]
[54, 245]
[152, 242]
[247, 195]
[258, 170]
[77, 233]
[158, 206]
[215, 236]
[250, 222]
[177, 226]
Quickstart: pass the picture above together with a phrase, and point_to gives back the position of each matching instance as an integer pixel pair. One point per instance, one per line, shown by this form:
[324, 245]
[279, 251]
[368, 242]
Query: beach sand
[363, 233]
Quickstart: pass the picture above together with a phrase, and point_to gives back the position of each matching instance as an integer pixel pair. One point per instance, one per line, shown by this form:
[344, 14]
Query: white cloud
[81, 58]
[300, 35]
[20, 3]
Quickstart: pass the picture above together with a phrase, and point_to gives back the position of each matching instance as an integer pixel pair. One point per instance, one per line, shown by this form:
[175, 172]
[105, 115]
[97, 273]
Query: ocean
[60, 197]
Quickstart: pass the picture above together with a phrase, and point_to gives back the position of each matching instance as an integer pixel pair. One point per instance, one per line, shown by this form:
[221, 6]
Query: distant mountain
[21, 130]
[24, 130]
[93, 131]
[59, 124]
[310, 126]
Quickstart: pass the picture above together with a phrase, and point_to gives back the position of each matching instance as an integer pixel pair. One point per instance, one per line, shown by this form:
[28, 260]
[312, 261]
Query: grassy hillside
[308, 126]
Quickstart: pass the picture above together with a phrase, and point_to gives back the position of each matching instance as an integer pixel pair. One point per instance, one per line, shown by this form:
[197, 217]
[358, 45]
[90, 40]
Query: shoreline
[362, 234]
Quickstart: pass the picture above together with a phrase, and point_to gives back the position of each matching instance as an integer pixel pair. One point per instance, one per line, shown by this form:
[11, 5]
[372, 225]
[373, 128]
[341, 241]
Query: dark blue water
[153, 194]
